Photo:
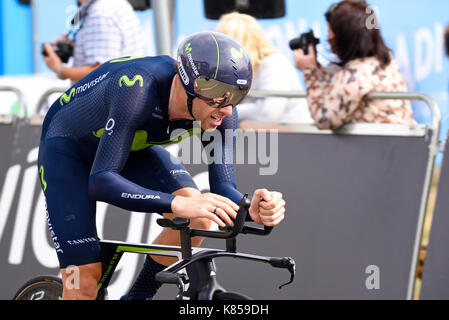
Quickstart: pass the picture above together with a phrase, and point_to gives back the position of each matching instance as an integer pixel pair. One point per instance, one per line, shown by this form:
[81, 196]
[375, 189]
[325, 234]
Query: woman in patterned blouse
[335, 94]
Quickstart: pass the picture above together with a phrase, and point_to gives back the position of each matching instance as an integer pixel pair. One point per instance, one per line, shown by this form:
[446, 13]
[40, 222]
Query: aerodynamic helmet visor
[218, 94]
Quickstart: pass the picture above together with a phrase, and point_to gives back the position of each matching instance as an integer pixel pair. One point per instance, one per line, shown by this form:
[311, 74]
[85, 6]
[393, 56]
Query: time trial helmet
[215, 68]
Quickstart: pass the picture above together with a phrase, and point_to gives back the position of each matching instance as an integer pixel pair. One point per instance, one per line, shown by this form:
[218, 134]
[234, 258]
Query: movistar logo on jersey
[91, 84]
[237, 54]
[131, 83]
[66, 98]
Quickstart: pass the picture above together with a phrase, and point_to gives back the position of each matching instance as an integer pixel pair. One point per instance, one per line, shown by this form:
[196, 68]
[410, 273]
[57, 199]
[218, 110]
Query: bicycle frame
[113, 251]
[200, 266]
[198, 262]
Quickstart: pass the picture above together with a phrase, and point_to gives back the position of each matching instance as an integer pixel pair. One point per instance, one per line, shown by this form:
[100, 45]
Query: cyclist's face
[209, 116]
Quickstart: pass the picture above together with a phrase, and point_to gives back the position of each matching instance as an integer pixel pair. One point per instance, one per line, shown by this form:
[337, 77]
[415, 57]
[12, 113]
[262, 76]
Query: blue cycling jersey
[122, 107]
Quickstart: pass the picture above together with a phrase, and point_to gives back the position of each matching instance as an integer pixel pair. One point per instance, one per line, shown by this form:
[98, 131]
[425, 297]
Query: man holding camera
[108, 29]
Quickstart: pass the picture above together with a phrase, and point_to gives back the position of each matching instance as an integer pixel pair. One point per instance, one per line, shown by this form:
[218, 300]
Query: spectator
[109, 29]
[336, 94]
[272, 71]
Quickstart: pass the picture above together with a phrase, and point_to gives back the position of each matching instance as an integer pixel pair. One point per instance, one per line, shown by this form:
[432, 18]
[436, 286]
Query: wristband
[59, 72]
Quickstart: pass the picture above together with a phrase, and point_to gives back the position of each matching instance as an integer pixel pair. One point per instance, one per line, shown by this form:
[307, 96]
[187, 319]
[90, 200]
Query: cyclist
[101, 142]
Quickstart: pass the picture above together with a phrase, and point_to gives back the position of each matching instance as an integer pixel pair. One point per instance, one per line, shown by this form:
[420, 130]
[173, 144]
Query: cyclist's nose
[226, 111]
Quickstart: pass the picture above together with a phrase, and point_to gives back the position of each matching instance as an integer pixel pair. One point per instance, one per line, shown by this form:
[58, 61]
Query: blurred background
[413, 29]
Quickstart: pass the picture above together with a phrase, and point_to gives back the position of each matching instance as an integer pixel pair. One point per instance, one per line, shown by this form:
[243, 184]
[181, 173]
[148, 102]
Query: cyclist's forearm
[228, 190]
[110, 187]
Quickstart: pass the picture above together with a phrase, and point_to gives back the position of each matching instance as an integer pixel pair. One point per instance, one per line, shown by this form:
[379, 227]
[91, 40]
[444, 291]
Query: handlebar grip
[239, 224]
[257, 231]
[176, 224]
[267, 230]
[240, 219]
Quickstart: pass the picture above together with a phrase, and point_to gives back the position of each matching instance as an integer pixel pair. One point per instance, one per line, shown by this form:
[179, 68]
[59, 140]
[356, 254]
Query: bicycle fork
[202, 280]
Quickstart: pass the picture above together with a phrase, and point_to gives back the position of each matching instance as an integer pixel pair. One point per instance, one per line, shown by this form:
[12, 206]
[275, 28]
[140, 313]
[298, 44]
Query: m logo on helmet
[188, 48]
[237, 54]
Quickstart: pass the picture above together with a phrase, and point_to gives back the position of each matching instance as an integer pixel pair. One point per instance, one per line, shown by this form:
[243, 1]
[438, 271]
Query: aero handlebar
[229, 233]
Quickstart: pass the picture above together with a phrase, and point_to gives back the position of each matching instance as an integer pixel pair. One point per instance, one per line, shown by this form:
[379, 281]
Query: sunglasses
[218, 94]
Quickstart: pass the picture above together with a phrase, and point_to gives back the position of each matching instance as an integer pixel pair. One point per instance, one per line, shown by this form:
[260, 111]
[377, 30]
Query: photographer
[108, 29]
[272, 71]
[336, 94]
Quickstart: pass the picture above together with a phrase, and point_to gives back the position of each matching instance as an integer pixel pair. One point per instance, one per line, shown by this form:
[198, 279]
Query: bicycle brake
[285, 263]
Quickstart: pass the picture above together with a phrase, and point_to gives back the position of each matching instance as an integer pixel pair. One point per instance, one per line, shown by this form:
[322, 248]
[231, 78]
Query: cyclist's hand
[203, 206]
[267, 208]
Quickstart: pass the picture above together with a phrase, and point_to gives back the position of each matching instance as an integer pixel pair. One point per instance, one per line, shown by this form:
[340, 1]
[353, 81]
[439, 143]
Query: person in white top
[108, 29]
[272, 71]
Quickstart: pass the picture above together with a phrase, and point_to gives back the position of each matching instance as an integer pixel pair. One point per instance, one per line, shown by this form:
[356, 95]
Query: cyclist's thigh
[156, 169]
[70, 211]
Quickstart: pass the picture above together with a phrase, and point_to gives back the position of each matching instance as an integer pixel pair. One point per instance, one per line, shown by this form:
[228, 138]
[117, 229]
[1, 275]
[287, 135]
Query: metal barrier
[19, 94]
[45, 96]
[433, 150]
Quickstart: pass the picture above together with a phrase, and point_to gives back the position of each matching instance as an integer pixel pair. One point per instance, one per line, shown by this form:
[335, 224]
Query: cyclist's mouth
[216, 120]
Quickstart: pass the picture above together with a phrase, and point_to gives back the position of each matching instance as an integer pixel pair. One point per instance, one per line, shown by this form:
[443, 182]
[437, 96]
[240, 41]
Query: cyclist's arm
[126, 115]
[222, 174]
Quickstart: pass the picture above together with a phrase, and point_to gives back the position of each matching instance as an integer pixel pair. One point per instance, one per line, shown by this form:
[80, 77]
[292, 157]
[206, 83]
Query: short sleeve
[101, 39]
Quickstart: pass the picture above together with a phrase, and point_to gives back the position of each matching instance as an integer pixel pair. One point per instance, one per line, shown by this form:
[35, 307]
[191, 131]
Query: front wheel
[220, 295]
[41, 288]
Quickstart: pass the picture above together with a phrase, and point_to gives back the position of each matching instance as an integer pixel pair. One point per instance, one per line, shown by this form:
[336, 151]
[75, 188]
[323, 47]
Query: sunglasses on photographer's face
[218, 94]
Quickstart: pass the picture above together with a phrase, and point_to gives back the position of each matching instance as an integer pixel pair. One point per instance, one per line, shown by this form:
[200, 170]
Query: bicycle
[198, 283]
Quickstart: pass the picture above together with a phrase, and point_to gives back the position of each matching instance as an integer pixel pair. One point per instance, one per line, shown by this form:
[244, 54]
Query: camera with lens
[303, 42]
[64, 50]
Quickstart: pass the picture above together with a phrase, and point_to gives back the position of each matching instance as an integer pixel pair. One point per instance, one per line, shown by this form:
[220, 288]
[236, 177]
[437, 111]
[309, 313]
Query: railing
[45, 96]
[22, 106]
[433, 150]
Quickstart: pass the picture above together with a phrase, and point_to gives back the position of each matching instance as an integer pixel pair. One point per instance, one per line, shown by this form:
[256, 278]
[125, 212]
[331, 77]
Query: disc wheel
[41, 288]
